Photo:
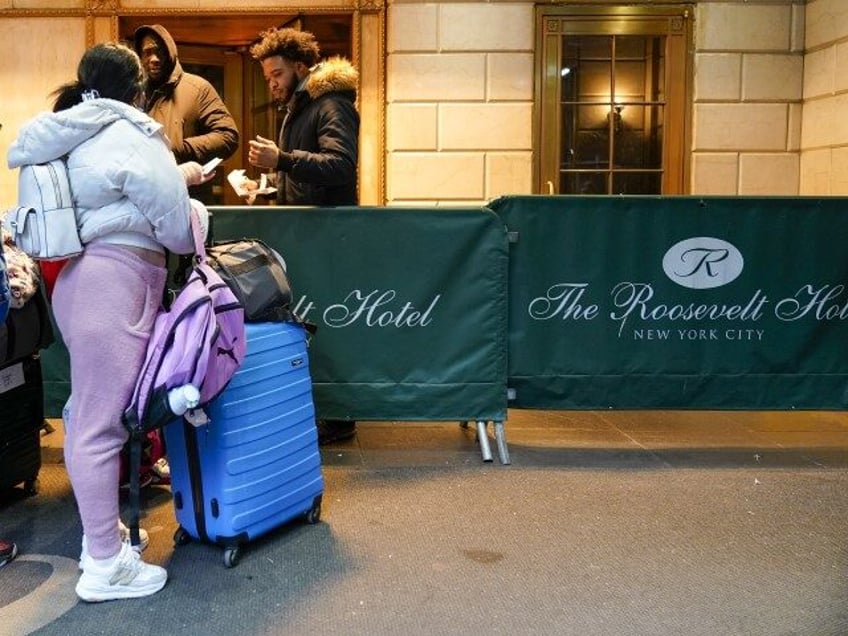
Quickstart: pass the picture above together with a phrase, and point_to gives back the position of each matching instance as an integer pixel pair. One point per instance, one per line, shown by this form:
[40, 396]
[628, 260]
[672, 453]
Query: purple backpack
[199, 340]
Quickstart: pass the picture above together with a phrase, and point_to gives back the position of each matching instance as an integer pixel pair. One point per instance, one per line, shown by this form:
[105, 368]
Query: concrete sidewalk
[649, 522]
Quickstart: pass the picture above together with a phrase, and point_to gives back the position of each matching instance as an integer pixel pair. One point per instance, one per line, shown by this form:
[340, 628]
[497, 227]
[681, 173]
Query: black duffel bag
[27, 330]
[257, 275]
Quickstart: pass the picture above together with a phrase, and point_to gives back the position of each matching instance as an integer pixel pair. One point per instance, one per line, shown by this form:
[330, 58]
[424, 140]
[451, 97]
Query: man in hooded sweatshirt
[196, 120]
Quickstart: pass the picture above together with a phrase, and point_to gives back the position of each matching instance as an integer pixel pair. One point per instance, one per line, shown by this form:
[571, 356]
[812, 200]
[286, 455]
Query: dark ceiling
[236, 31]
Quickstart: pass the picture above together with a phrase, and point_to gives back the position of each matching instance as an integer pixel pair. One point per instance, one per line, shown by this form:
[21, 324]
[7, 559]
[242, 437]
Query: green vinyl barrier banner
[410, 308]
[687, 302]
[614, 302]
[56, 375]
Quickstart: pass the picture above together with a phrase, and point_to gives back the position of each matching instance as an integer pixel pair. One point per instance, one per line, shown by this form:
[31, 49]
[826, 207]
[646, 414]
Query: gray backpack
[44, 225]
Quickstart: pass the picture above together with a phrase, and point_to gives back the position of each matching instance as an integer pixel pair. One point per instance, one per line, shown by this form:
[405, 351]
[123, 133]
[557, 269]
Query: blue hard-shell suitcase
[256, 464]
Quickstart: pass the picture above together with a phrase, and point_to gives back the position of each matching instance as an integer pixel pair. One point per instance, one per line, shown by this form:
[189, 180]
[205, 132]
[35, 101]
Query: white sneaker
[123, 576]
[143, 537]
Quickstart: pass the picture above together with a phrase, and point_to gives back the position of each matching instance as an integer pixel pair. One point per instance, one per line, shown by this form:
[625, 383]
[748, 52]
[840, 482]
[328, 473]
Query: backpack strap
[135, 487]
[130, 421]
[196, 232]
[310, 326]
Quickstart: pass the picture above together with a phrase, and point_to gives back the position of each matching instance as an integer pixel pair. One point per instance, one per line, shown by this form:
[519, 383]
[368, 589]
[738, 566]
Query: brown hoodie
[196, 120]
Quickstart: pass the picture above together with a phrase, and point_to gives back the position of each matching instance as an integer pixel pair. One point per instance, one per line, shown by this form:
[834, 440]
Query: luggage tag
[12, 377]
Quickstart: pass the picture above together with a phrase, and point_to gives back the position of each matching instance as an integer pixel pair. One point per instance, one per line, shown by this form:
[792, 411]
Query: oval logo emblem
[703, 262]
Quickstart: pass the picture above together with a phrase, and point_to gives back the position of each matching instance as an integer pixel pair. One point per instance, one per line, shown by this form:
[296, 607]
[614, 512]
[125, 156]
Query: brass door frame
[99, 22]
[554, 22]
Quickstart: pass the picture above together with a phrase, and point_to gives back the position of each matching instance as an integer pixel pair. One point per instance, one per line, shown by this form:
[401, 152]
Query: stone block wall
[459, 102]
[747, 111]
[824, 138]
[460, 99]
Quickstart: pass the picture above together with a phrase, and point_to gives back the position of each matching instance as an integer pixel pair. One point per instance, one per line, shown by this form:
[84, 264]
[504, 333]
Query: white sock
[105, 563]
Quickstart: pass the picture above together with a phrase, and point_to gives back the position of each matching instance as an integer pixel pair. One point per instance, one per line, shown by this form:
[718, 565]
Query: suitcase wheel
[181, 536]
[231, 556]
[313, 515]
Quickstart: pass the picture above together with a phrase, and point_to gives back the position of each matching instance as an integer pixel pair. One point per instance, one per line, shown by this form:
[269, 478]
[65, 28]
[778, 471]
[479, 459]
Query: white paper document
[210, 165]
[238, 180]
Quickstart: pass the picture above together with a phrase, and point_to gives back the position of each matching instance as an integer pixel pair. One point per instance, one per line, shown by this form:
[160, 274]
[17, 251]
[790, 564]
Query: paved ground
[650, 522]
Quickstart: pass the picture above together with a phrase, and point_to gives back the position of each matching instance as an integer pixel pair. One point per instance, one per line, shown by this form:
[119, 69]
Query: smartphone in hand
[210, 165]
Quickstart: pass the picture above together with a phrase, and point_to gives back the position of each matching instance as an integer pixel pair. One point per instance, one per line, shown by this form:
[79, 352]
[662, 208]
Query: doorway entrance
[613, 100]
[216, 47]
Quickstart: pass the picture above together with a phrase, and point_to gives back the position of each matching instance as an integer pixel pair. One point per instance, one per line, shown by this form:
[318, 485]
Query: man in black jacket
[316, 156]
[317, 152]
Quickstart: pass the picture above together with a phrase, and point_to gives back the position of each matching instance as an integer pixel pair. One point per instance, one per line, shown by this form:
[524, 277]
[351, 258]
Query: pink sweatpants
[105, 302]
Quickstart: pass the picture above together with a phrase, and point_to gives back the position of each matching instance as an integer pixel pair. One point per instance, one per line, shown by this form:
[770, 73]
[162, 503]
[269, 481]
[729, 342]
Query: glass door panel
[584, 182]
[610, 99]
[636, 183]
[637, 137]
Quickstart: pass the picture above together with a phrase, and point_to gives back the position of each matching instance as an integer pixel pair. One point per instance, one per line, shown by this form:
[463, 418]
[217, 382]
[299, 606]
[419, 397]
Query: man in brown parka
[196, 120]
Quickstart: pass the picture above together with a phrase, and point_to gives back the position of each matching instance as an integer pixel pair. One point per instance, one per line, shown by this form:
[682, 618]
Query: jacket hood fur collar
[334, 74]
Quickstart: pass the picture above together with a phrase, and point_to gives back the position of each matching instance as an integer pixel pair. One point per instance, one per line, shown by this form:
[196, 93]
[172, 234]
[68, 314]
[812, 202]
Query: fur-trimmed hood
[333, 74]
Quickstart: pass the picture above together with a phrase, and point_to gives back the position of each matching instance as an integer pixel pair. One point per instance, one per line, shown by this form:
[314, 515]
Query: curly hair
[290, 44]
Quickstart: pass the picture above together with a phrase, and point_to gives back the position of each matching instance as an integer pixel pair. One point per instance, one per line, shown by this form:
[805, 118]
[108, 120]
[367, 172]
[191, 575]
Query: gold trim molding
[371, 6]
[368, 50]
[102, 6]
[43, 13]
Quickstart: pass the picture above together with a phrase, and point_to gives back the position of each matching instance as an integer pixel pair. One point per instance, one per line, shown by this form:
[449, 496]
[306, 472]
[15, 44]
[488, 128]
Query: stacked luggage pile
[25, 331]
[255, 464]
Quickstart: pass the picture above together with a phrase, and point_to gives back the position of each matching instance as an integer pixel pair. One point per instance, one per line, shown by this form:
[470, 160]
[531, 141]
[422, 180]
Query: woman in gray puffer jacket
[132, 203]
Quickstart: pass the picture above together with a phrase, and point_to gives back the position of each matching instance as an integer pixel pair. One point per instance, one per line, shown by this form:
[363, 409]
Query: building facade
[452, 94]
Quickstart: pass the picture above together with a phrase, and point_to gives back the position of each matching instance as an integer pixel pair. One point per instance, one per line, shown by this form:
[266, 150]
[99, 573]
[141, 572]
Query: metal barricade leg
[500, 438]
[483, 440]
